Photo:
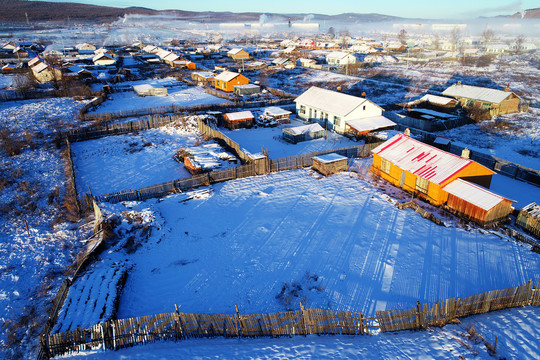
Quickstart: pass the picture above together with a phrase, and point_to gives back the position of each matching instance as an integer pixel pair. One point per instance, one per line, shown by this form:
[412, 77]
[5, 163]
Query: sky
[455, 9]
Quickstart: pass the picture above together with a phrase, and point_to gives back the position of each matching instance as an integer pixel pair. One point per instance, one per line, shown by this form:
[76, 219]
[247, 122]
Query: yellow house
[423, 169]
[227, 80]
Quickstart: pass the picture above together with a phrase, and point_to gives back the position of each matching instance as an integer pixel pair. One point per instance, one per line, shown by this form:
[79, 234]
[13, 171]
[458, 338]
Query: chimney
[338, 88]
[507, 88]
[465, 153]
[407, 132]
[459, 82]
[363, 94]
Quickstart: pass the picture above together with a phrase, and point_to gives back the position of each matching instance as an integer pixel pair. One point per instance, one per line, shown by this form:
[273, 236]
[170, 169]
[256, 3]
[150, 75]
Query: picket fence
[117, 334]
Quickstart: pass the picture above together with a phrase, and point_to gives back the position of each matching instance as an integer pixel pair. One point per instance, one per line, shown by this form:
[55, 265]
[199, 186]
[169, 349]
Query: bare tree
[487, 36]
[455, 38]
[402, 37]
[437, 42]
[518, 43]
[332, 32]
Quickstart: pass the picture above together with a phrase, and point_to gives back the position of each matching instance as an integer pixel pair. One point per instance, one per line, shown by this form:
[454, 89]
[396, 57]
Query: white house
[104, 59]
[340, 58]
[334, 110]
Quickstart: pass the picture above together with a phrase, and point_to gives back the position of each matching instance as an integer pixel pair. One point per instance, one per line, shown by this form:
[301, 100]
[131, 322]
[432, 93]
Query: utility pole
[27, 22]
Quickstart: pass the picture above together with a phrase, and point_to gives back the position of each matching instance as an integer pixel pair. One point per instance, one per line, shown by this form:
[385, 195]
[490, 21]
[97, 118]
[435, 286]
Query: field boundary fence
[176, 326]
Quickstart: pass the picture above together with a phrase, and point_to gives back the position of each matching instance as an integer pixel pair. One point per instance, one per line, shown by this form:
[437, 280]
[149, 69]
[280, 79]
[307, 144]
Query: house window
[337, 121]
[469, 103]
[486, 106]
[218, 83]
[385, 166]
[422, 185]
[364, 107]
[302, 109]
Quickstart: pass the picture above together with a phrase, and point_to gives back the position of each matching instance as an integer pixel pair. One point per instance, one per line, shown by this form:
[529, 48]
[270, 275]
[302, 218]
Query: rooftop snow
[328, 158]
[298, 130]
[477, 93]
[226, 76]
[370, 123]
[240, 115]
[433, 99]
[337, 55]
[330, 101]
[473, 194]
[420, 159]
[276, 111]
[40, 67]
[234, 51]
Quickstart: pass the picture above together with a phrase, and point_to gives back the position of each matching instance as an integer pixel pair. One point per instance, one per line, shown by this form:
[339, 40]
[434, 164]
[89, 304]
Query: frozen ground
[255, 139]
[516, 190]
[132, 161]
[340, 238]
[180, 95]
[517, 331]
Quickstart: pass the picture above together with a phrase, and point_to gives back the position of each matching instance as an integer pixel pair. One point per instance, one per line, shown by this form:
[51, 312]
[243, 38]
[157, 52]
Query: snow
[329, 101]
[328, 158]
[517, 331]
[271, 139]
[370, 123]
[239, 115]
[475, 92]
[473, 194]
[178, 96]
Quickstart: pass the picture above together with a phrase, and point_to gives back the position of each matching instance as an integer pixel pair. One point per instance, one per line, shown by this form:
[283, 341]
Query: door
[402, 180]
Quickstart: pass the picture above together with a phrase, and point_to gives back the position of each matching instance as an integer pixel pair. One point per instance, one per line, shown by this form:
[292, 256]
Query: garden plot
[132, 161]
[180, 95]
[254, 139]
[266, 243]
[517, 331]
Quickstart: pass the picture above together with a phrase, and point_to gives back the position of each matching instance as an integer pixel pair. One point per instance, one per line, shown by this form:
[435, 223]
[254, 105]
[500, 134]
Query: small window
[422, 185]
[385, 166]
[337, 121]
[364, 108]
[486, 106]
[469, 103]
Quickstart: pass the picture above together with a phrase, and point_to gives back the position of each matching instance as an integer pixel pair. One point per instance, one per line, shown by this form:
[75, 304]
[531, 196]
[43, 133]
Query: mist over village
[269, 180]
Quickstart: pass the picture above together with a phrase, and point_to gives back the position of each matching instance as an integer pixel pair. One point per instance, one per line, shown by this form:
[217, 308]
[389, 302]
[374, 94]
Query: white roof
[163, 53]
[276, 111]
[142, 87]
[34, 61]
[171, 57]
[330, 101]
[247, 86]
[337, 55]
[101, 56]
[328, 158]
[532, 209]
[438, 100]
[234, 51]
[304, 129]
[205, 74]
[226, 76]
[421, 159]
[240, 115]
[473, 194]
[370, 123]
[39, 67]
[477, 93]
[76, 69]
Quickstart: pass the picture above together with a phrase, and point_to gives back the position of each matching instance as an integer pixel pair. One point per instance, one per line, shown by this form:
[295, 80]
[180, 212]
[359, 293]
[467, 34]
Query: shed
[303, 133]
[362, 126]
[529, 219]
[476, 203]
[237, 120]
[203, 77]
[149, 90]
[278, 114]
[246, 89]
[329, 164]
[423, 169]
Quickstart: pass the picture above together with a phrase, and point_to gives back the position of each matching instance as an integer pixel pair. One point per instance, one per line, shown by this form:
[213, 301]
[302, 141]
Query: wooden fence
[117, 334]
[441, 313]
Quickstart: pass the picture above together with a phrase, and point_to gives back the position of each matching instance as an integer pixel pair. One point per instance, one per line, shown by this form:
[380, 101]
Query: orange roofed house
[440, 178]
[227, 80]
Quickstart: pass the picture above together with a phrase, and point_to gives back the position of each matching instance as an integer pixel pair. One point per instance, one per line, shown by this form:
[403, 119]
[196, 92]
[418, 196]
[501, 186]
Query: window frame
[422, 185]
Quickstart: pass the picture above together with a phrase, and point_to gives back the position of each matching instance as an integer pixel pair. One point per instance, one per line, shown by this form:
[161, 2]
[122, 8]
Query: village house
[340, 112]
[529, 219]
[238, 54]
[340, 58]
[237, 120]
[104, 59]
[492, 101]
[45, 73]
[284, 63]
[203, 77]
[440, 178]
[228, 79]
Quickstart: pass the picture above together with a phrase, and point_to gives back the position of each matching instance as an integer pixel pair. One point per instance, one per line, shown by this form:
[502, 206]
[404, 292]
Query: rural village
[220, 189]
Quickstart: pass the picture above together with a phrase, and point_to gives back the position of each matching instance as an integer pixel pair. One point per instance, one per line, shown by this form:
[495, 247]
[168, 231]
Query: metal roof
[477, 93]
[370, 123]
[226, 76]
[532, 209]
[473, 194]
[39, 67]
[304, 129]
[276, 111]
[329, 158]
[330, 101]
[421, 159]
[337, 55]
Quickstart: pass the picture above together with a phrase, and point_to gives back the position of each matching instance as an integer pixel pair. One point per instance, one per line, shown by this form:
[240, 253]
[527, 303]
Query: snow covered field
[271, 139]
[250, 237]
[517, 331]
[180, 95]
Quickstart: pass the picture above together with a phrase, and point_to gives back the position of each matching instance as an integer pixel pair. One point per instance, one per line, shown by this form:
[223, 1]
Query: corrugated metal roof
[438, 100]
[421, 159]
[240, 115]
[473, 194]
[370, 123]
[234, 51]
[226, 76]
[276, 111]
[330, 101]
[477, 93]
[39, 67]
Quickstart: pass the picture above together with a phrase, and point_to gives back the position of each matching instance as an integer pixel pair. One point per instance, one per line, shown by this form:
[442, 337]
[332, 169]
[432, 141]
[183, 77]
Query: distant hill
[16, 10]
[528, 14]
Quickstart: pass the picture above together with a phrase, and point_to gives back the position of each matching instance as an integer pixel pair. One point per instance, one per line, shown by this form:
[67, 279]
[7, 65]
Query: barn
[329, 164]
[425, 170]
[237, 120]
[529, 219]
[496, 102]
[228, 79]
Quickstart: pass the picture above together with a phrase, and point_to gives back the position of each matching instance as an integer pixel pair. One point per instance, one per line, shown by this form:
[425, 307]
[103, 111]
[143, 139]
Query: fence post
[45, 346]
[178, 328]
[419, 321]
[240, 325]
[304, 318]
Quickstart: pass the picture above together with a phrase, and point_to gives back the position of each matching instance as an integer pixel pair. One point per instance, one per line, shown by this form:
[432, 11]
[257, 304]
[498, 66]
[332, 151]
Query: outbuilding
[329, 164]
[529, 219]
[247, 89]
[237, 120]
[149, 90]
[281, 116]
[303, 133]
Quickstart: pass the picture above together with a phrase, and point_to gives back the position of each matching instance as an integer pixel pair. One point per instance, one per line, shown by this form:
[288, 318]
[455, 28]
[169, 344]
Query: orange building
[227, 80]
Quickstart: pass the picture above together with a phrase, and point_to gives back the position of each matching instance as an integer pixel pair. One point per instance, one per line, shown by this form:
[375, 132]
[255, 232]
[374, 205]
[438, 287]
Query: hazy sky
[412, 9]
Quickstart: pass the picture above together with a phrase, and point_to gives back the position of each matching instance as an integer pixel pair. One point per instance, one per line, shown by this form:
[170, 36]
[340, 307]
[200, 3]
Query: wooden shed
[423, 169]
[529, 219]
[329, 164]
[476, 203]
[203, 77]
[281, 116]
[238, 54]
[237, 120]
[303, 133]
[247, 89]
